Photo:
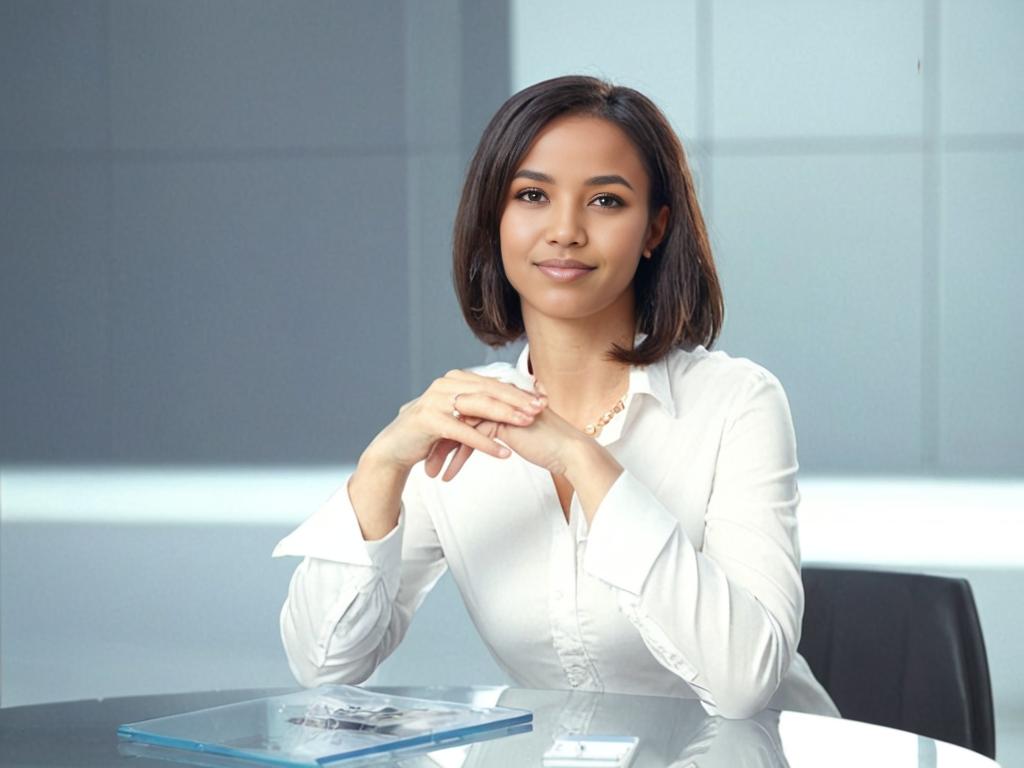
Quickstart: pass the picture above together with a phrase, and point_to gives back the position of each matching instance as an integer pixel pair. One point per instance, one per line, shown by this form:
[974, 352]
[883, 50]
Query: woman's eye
[607, 201]
[531, 196]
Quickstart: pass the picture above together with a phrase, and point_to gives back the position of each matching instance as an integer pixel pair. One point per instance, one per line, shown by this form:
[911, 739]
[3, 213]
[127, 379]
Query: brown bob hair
[678, 297]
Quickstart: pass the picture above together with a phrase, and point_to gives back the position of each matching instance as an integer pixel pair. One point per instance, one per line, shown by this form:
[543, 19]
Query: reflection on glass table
[670, 732]
[679, 733]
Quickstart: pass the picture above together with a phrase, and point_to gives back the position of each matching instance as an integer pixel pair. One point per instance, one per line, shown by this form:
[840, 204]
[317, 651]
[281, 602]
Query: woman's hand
[548, 442]
[554, 444]
[426, 429]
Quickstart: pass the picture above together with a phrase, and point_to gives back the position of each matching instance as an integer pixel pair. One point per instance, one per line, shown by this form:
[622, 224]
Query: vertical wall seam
[412, 218]
[108, 234]
[931, 272]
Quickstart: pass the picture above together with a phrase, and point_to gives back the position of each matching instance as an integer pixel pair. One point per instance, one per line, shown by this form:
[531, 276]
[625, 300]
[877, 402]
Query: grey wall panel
[982, 58]
[813, 250]
[439, 337]
[804, 68]
[259, 308]
[982, 358]
[486, 80]
[265, 239]
[53, 74]
[252, 75]
[433, 75]
[55, 397]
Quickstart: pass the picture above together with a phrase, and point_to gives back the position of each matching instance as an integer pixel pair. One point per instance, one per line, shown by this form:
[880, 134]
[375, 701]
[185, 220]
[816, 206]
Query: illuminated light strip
[171, 495]
[867, 520]
[912, 521]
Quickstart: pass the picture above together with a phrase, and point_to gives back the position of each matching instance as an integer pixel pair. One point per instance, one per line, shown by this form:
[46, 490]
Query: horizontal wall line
[994, 142]
[753, 146]
[811, 145]
[213, 154]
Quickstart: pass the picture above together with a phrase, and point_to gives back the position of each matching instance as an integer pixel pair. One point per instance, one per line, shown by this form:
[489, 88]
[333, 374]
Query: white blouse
[687, 583]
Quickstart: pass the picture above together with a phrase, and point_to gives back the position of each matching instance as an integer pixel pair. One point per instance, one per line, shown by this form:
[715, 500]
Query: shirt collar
[652, 380]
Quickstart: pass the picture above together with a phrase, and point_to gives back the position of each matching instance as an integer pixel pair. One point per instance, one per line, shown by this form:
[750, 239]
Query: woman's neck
[570, 359]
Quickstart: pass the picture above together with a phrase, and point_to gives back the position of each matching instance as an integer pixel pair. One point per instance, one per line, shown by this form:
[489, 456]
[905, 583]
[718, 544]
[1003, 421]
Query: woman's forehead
[577, 147]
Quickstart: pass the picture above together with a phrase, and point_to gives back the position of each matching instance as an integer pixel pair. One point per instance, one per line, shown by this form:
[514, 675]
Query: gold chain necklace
[595, 429]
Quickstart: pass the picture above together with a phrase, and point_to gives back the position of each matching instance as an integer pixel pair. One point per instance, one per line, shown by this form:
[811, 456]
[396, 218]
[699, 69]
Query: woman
[618, 510]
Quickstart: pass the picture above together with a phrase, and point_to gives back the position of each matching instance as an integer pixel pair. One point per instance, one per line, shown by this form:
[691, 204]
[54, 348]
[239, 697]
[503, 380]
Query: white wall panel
[982, 66]
[805, 68]
[650, 46]
[820, 259]
[982, 272]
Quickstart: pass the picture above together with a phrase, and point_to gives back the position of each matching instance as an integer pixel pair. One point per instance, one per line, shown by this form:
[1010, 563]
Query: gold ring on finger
[455, 405]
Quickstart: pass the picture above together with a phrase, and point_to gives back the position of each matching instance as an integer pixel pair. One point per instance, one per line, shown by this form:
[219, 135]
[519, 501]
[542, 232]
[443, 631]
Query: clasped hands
[462, 412]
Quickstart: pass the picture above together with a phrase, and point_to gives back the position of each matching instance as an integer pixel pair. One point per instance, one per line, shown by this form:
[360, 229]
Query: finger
[438, 453]
[509, 393]
[482, 406]
[458, 461]
[453, 429]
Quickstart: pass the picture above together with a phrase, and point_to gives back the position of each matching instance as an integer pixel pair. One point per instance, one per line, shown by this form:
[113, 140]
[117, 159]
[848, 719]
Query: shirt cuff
[332, 533]
[630, 529]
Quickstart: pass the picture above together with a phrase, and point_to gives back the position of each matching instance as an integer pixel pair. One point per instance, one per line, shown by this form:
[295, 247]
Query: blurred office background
[225, 232]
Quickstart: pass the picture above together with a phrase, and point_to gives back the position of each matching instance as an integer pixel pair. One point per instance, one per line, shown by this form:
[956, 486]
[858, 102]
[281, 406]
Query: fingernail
[537, 402]
[504, 452]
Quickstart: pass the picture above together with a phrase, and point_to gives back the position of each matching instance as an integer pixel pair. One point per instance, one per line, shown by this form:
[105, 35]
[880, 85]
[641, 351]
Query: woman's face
[575, 222]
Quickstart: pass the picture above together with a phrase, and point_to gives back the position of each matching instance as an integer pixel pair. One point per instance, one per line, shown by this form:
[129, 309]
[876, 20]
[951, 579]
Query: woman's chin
[567, 308]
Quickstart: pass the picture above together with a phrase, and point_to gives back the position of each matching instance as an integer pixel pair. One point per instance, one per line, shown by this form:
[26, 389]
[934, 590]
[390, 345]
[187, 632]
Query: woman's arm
[350, 601]
[725, 616]
[370, 554]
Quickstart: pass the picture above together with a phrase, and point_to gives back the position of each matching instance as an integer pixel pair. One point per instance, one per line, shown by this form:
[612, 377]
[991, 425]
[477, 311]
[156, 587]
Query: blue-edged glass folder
[321, 726]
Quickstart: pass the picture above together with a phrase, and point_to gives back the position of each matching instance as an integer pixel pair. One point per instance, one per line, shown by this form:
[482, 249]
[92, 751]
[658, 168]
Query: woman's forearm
[592, 471]
[375, 490]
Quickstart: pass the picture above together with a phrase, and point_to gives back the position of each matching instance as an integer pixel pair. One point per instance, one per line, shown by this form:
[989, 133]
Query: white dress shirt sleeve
[726, 616]
[350, 601]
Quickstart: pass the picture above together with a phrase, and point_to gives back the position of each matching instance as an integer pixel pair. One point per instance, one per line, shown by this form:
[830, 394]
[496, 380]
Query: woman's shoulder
[697, 372]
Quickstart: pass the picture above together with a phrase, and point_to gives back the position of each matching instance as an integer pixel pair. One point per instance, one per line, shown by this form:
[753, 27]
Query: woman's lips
[564, 272]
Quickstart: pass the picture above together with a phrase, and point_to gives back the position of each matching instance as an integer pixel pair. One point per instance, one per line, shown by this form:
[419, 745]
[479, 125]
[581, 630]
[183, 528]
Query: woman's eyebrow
[593, 181]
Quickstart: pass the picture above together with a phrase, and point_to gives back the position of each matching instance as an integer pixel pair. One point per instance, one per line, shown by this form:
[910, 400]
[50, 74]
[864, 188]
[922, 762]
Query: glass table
[672, 732]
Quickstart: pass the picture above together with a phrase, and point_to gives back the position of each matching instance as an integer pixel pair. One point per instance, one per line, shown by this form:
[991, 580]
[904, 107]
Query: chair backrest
[901, 649]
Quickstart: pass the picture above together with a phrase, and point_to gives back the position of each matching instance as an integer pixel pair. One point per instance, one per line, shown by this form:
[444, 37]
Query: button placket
[562, 607]
[565, 564]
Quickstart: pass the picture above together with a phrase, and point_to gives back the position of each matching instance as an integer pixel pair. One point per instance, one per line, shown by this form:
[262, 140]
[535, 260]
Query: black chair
[902, 650]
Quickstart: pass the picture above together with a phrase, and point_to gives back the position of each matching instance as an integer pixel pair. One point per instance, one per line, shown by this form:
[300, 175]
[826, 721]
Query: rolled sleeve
[631, 520]
[332, 533]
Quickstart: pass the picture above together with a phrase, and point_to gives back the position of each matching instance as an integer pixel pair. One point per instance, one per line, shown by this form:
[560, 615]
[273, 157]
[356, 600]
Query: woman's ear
[656, 230]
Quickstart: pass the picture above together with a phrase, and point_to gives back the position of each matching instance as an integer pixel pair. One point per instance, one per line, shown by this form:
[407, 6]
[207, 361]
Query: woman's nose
[566, 227]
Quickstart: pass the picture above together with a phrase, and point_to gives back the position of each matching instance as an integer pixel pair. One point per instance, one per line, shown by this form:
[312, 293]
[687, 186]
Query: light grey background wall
[858, 164]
